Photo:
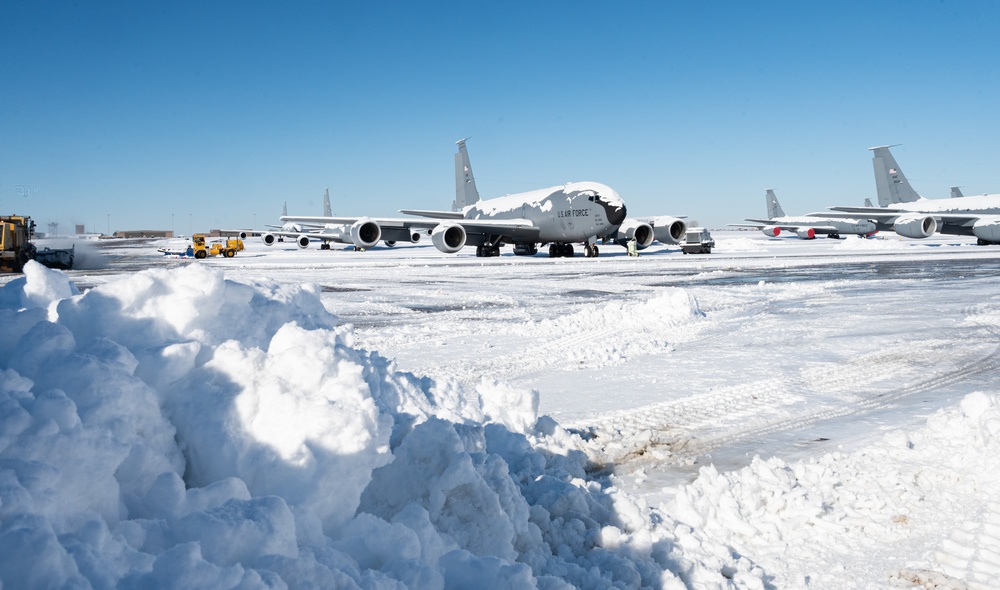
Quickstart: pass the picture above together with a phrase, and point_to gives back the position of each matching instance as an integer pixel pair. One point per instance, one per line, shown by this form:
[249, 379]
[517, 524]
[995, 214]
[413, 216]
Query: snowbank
[178, 430]
[911, 494]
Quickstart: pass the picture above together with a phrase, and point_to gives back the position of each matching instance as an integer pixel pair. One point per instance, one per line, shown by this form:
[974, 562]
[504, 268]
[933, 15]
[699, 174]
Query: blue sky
[133, 115]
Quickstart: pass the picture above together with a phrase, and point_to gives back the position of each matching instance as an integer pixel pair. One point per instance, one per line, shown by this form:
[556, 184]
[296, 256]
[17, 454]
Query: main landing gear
[558, 250]
[487, 251]
[566, 250]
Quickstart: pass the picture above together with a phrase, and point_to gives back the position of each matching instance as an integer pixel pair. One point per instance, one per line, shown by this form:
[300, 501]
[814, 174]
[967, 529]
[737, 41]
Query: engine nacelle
[668, 230]
[915, 226]
[771, 231]
[268, 238]
[365, 233]
[640, 231]
[806, 234]
[242, 235]
[448, 237]
[987, 229]
[302, 242]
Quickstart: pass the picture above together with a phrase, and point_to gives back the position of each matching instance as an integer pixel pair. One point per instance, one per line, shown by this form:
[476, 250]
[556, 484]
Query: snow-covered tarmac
[778, 414]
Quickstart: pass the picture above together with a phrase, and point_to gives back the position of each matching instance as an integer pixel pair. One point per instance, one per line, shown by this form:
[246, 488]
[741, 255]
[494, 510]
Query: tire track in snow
[597, 335]
[681, 431]
[972, 553]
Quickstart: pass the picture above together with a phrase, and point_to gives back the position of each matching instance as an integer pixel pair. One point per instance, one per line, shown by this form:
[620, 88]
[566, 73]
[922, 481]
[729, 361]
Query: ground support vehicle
[16, 248]
[697, 241]
[202, 249]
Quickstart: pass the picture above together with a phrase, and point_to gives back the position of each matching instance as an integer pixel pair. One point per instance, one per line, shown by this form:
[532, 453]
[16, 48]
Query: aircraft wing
[791, 227]
[433, 214]
[515, 230]
[879, 214]
[962, 219]
[883, 214]
[322, 222]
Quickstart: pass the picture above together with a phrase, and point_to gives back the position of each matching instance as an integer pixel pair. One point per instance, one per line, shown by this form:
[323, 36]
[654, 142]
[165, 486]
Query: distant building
[145, 233]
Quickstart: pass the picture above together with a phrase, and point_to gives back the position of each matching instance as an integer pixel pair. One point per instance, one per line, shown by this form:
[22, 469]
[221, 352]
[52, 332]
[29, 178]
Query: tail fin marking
[890, 182]
[466, 192]
[773, 207]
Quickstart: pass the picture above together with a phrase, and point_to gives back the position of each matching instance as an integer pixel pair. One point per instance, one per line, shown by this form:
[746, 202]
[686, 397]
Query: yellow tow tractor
[203, 250]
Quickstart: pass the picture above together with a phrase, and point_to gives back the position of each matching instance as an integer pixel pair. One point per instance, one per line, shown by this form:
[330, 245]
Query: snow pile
[742, 244]
[619, 330]
[880, 242]
[867, 506]
[179, 430]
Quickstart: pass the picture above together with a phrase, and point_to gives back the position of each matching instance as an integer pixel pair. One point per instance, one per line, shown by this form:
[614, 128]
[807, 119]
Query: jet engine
[668, 230]
[987, 229]
[365, 233]
[448, 237]
[302, 242]
[915, 226]
[268, 238]
[632, 228]
[771, 231]
[806, 234]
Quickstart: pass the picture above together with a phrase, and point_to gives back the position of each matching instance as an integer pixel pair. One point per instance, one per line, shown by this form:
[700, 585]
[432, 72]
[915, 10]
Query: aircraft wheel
[596, 251]
[569, 251]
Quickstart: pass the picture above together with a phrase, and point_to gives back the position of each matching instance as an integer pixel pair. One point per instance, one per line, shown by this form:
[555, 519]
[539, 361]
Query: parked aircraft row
[575, 213]
[806, 227]
[901, 209]
[590, 213]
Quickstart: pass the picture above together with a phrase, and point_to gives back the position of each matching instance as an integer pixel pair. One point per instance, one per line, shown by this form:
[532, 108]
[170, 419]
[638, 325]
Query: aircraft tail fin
[466, 192]
[956, 193]
[284, 209]
[327, 211]
[868, 203]
[773, 207]
[890, 182]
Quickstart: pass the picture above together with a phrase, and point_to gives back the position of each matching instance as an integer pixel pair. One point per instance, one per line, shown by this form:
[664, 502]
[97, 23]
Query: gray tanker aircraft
[666, 229]
[560, 216]
[908, 214]
[807, 227]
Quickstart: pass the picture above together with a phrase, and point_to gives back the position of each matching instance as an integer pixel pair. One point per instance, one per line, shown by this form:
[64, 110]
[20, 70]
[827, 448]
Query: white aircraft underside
[573, 213]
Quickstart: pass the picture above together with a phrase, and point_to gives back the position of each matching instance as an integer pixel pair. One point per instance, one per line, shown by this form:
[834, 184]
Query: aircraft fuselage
[575, 212]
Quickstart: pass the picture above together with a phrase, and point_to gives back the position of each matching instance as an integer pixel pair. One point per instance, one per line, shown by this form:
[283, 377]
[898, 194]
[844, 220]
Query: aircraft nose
[614, 208]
